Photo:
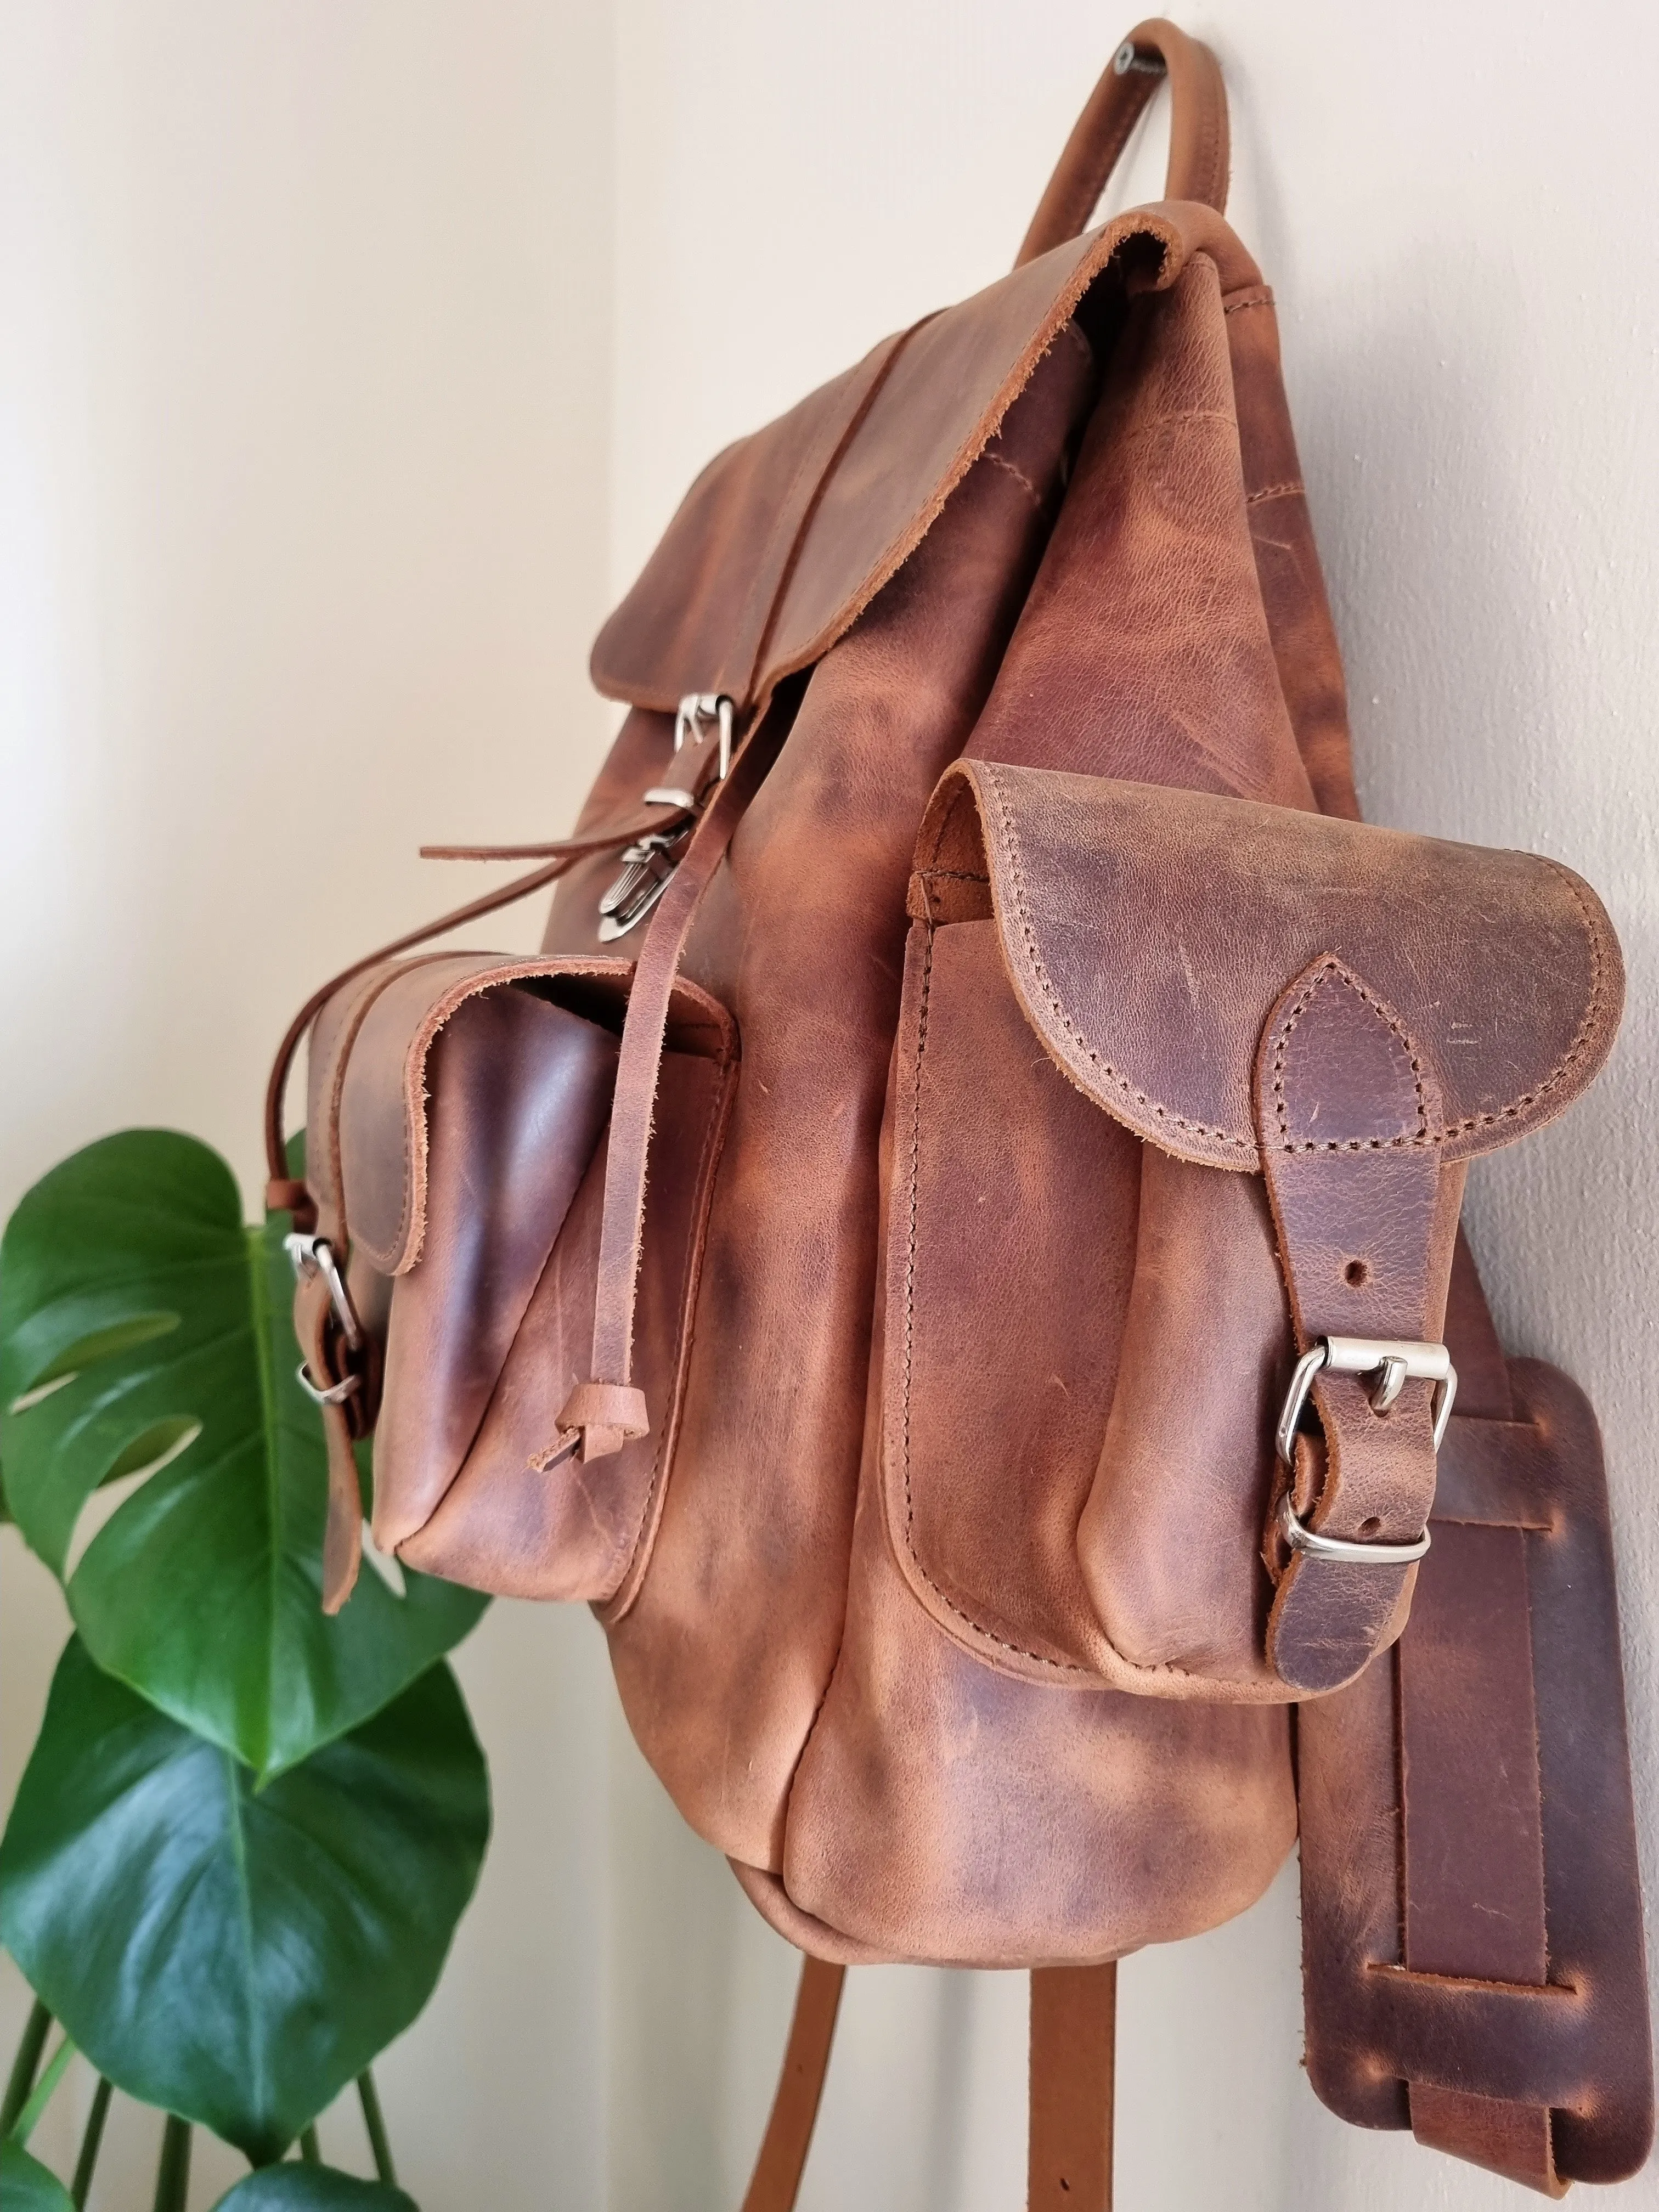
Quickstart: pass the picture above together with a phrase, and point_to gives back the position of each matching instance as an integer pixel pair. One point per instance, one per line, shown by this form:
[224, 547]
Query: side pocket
[464, 1102]
[577, 1531]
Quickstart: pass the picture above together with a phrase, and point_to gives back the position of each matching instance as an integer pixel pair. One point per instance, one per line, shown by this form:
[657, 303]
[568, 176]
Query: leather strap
[591, 1422]
[1074, 2059]
[1474, 1836]
[1073, 2055]
[1345, 1106]
[283, 1191]
[1199, 149]
[800, 2085]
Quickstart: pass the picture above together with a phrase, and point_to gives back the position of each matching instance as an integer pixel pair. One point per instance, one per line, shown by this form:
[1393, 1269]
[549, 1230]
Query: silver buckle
[648, 868]
[648, 864]
[335, 1395]
[1394, 1361]
[1301, 1538]
[315, 1255]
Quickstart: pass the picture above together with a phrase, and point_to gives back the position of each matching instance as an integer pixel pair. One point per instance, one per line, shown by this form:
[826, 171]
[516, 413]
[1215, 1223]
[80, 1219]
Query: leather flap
[787, 535]
[367, 1105]
[1149, 932]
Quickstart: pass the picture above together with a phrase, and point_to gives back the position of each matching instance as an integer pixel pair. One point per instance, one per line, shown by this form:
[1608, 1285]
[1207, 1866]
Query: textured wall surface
[356, 354]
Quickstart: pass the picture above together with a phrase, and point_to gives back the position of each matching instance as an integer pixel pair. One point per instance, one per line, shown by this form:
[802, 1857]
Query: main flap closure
[1150, 932]
[367, 1098]
[787, 535]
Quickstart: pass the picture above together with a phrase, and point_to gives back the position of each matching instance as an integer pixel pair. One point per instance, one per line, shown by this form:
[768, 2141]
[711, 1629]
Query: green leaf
[312, 2189]
[26, 2185]
[139, 1319]
[235, 1955]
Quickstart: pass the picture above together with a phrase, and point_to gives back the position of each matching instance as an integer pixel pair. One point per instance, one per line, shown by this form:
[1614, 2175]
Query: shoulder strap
[1073, 2054]
[1198, 133]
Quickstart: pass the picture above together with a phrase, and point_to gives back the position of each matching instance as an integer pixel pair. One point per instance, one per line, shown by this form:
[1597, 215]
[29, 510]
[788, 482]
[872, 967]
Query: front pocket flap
[1149, 932]
[367, 1076]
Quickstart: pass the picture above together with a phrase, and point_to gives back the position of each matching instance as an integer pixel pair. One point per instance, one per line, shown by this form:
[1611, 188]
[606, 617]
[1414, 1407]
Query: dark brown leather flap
[787, 535]
[367, 1117]
[1149, 932]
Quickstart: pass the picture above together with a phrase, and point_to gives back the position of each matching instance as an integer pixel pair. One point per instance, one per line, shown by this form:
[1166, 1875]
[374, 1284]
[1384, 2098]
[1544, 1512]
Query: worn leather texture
[874, 1293]
[459, 1106]
[1470, 1890]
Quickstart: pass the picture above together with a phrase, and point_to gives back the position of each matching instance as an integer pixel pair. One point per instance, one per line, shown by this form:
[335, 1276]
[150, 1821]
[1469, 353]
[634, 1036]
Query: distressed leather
[901, 1392]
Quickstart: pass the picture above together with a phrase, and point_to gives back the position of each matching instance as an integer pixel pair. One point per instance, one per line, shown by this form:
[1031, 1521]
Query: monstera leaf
[310, 2189]
[237, 1955]
[142, 1325]
[26, 2185]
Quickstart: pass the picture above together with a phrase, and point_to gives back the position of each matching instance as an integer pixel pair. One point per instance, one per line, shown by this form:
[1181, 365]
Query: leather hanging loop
[1198, 141]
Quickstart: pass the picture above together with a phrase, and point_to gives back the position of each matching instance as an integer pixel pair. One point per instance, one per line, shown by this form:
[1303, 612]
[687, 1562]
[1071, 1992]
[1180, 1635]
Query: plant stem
[308, 2146]
[21, 2078]
[172, 2174]
[375, 2120]
[40, 2096]
[90, 2144]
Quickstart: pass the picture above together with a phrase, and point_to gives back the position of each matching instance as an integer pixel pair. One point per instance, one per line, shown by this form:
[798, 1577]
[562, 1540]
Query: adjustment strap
[1366, 1214]
[627, 1150]
[1073, 2057]
[283, 1193]
[1199, 151]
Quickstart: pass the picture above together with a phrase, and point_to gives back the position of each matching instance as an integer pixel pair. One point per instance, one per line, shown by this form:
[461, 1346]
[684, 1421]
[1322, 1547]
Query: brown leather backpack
[953, 1248]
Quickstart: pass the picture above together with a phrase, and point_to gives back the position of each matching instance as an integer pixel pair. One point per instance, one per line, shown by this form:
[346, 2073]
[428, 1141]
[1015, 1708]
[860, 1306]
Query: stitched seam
[1327, 969]
[1425, 1137]
[1582, 1036]
[1286, 490]
[1001, 461]
[1060, 1666]
[1034, 961]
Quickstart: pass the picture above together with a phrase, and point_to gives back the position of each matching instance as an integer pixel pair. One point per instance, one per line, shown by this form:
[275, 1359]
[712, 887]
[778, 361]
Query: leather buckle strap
[1394, 1361]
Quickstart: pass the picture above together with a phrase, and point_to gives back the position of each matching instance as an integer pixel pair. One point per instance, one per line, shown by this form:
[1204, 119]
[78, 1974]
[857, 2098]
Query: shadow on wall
[1472, 553]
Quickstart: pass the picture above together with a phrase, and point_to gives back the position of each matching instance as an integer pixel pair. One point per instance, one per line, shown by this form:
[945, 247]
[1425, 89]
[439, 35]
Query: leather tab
[605, 1416]
[1346, 1104]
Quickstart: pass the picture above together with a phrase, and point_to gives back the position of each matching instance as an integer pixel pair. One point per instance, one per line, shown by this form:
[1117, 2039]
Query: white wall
[349, 343]
[1458, 206]
[307, 309]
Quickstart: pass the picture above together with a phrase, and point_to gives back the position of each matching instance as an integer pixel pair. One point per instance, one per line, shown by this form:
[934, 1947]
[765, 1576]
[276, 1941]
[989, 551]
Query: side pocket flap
[367, 1099]
[1149, 932]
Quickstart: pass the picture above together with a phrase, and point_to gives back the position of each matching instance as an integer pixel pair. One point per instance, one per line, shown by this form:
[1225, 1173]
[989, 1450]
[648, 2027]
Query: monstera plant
[246, 1832]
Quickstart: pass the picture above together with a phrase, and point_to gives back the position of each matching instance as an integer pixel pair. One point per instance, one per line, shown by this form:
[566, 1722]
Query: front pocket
[1183, 1091]
[1011, 1246]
